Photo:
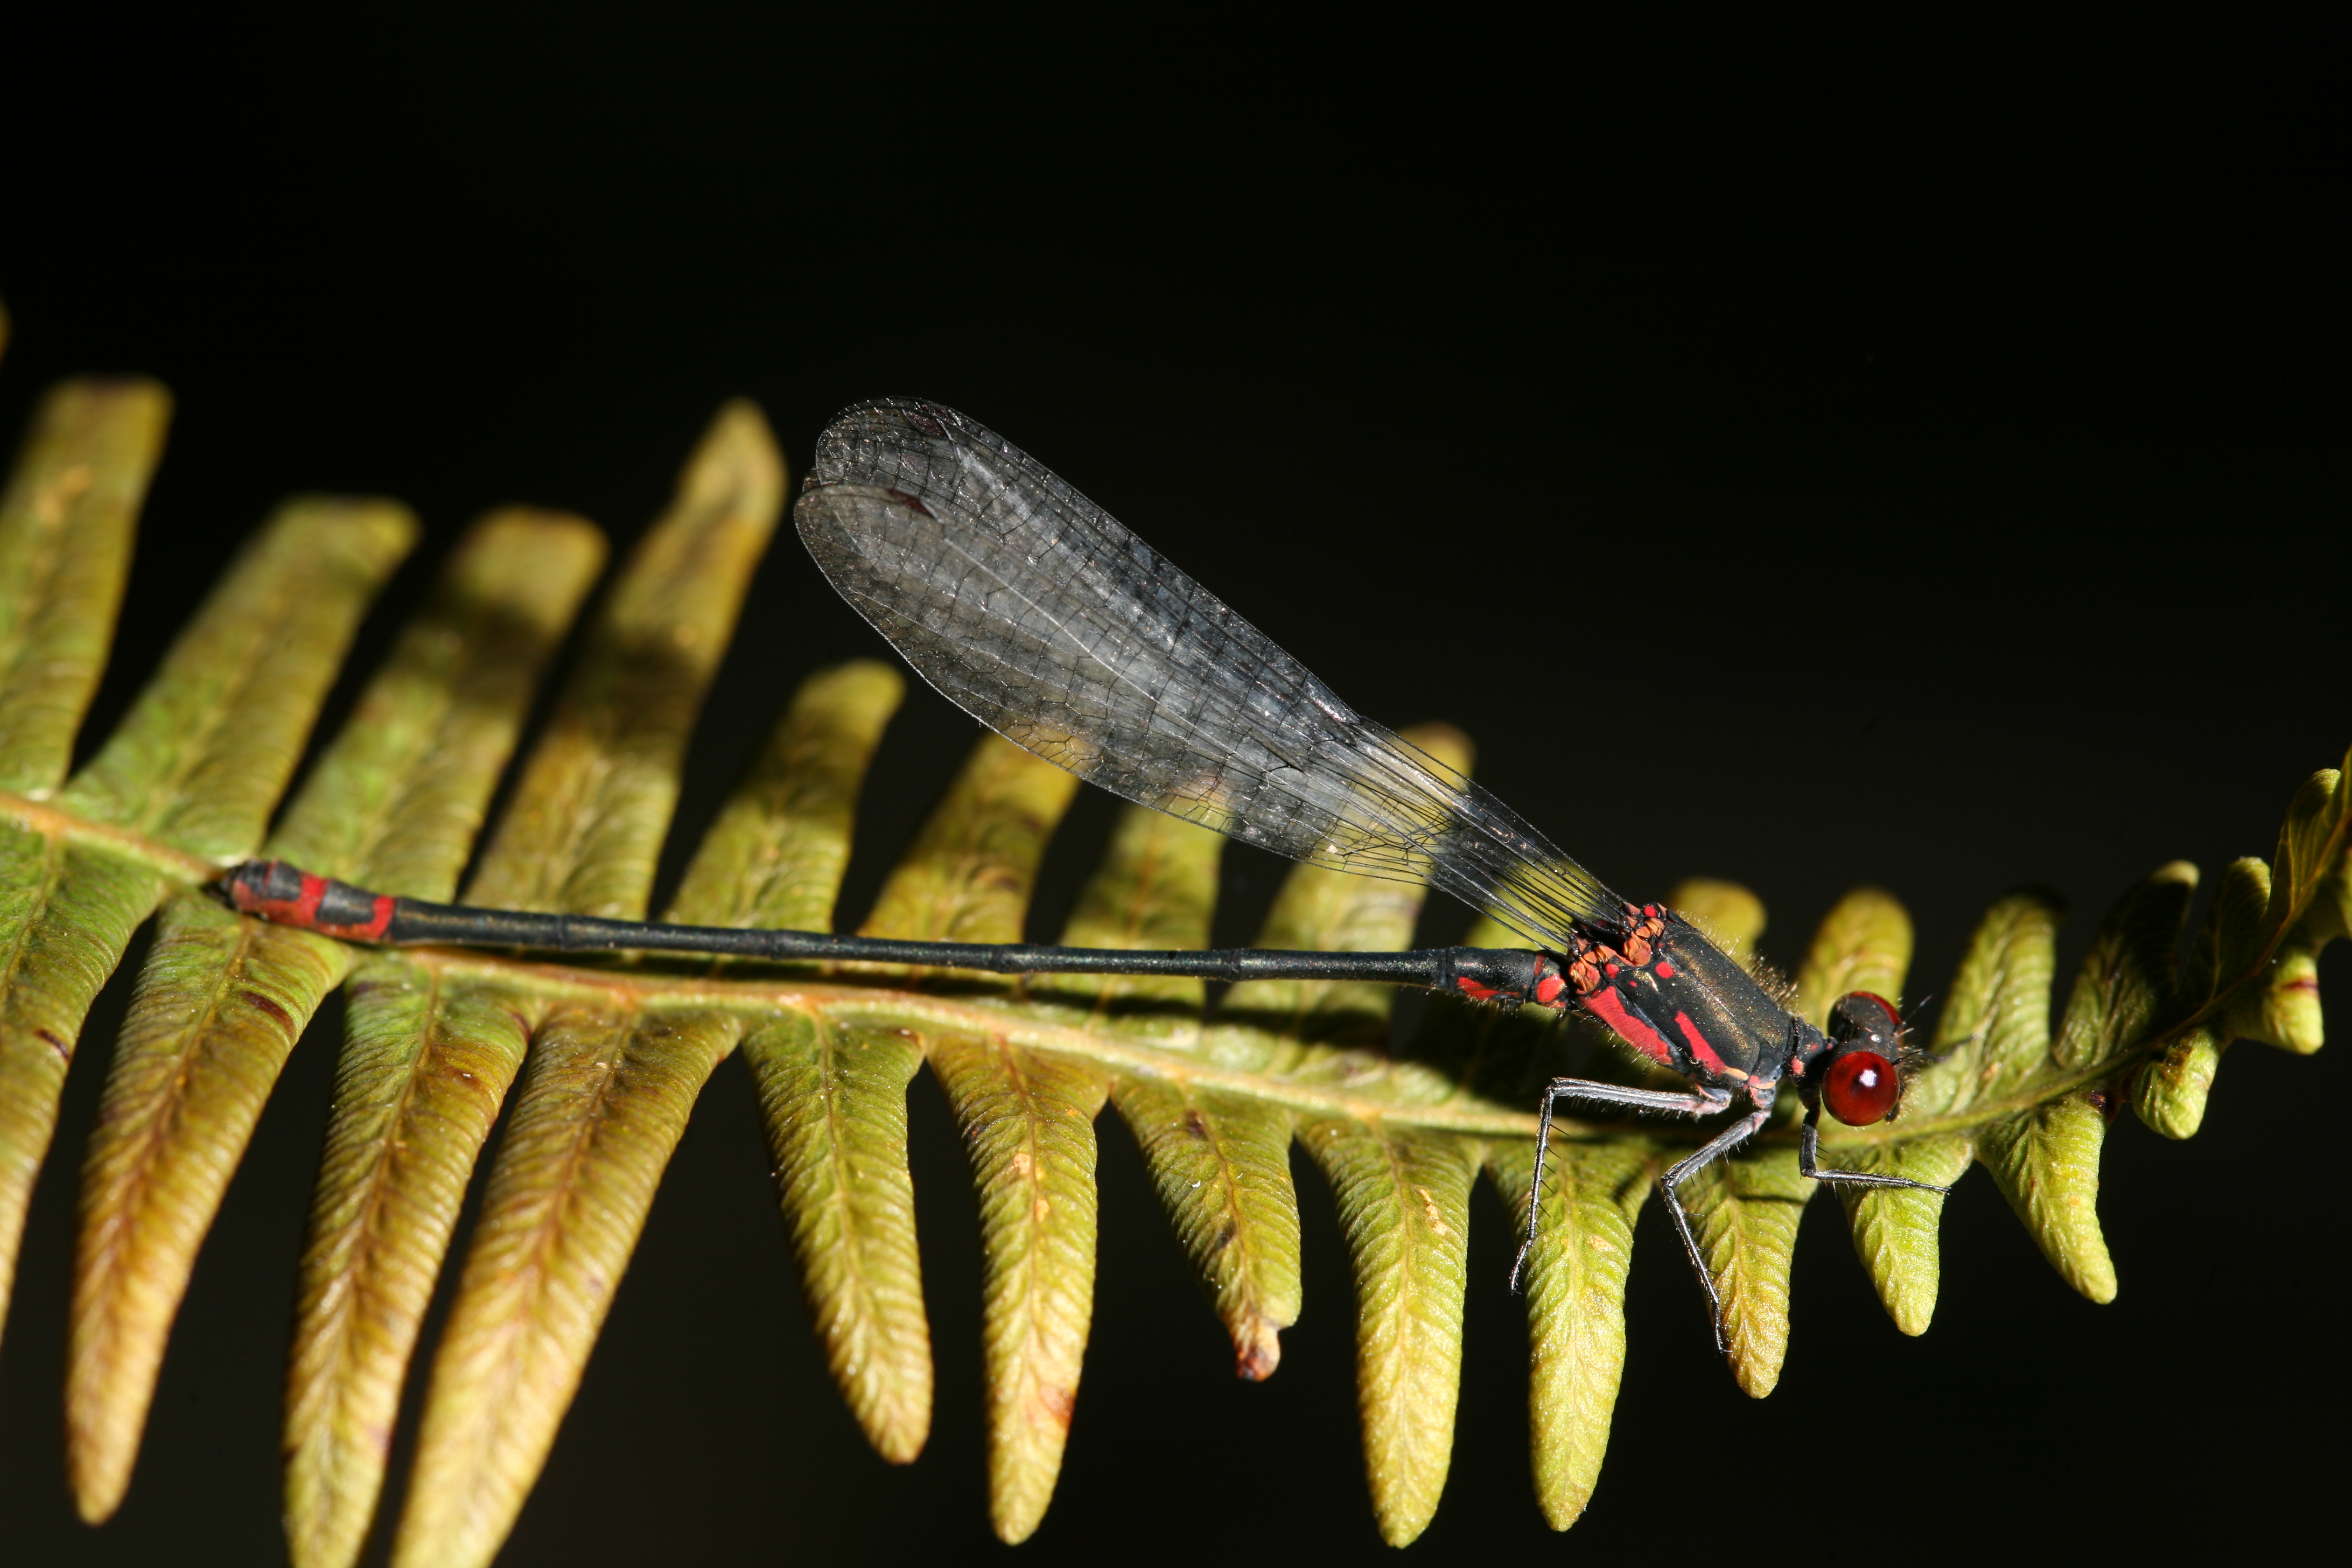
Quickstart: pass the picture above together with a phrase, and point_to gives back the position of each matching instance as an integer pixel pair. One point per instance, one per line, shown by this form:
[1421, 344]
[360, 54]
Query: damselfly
[1044, 618]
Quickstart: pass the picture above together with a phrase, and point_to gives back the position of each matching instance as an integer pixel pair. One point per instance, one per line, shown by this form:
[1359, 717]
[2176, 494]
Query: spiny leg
[1702, 1101]
[1809, 1153]
[1730, 1138]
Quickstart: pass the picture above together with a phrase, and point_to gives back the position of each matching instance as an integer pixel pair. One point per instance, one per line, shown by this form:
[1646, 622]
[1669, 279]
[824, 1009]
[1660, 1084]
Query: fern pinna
[596, 1065]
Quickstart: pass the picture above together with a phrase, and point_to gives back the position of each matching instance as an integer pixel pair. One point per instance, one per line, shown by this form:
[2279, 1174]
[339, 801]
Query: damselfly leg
[1703, 1100]
[1852, 1071]
[1714, 1149]
[1809, 1146]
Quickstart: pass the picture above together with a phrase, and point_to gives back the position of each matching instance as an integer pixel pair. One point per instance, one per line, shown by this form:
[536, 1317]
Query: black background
[1815, 464]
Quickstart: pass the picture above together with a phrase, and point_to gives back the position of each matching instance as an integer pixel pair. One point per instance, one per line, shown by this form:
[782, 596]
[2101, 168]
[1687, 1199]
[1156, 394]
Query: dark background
[1814, 465]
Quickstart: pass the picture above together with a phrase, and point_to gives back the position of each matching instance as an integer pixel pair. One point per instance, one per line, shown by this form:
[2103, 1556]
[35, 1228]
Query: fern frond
[604, 1062]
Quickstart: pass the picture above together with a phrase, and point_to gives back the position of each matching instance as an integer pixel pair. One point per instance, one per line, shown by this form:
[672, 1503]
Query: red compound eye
[1861, 1088]
[1893, 1019]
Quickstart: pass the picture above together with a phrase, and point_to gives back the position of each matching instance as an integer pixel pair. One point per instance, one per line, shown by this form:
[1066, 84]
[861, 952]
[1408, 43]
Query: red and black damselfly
[1041, 617]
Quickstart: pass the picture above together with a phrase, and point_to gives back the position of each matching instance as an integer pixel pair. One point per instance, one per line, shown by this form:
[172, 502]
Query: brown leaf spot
[1257, 1349]
[1429, 1208]
[1197, 1125]
[65, 1051]
[59, 495]
[1225, 1235]
[2105, 1104]
[1057, 1403]
[265, 1004]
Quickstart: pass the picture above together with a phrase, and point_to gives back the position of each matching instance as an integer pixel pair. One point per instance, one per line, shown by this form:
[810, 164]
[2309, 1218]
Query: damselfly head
[1860, 1080]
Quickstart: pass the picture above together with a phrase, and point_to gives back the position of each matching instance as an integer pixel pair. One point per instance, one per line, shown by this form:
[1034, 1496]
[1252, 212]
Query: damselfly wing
[1043, 616]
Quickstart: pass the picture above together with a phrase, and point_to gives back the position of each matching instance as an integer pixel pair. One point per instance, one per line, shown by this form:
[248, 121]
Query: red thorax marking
[1699, 1047]
[1611, 1011]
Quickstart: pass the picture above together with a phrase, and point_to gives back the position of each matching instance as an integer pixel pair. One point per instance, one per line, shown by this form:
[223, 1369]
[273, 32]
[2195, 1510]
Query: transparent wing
[1041, 615]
